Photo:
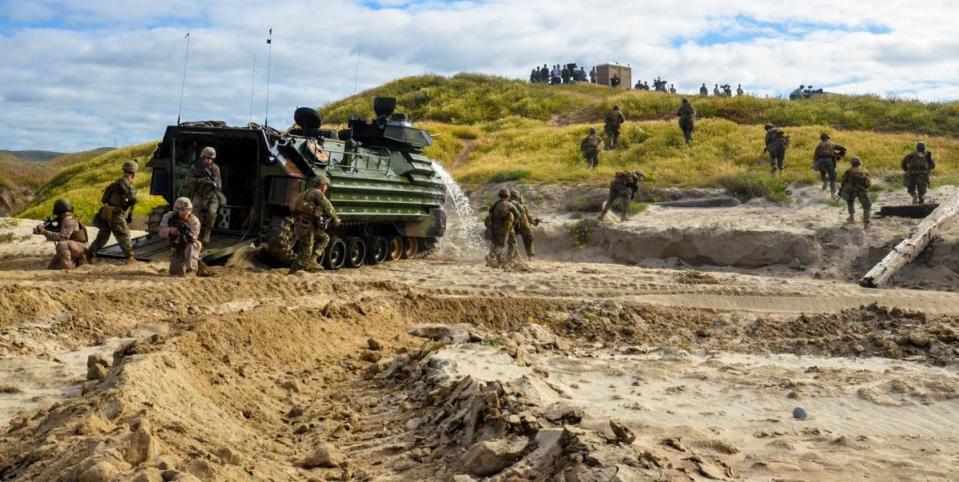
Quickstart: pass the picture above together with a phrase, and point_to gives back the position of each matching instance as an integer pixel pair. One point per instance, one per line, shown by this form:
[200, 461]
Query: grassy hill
[490, 129]
[493, 129]
[83, 182]
[32, 156]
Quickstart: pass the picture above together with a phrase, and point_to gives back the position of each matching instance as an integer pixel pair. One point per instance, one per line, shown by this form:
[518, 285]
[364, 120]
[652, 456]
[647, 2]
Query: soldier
[182, 228]
[69, 237]
[614, 120]
[739, 90]
[776, 144]
[716, 91]
[916, 167]
[798, 93]
[672, 89]
[523, 225]
[207, 191]
[687, 119]
[590, 146]
[622, 190]
[499, 226]
[855, 185]
[614, 81]
[703, 91]
[824, 160]
[309, 234]
[117, 211]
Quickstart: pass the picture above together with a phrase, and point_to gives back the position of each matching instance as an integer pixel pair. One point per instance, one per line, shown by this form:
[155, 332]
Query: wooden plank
[910, 248]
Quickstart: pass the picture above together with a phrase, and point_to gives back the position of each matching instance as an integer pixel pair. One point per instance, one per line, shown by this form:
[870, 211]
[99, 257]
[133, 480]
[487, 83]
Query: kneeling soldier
[182, 229]
[68, 235]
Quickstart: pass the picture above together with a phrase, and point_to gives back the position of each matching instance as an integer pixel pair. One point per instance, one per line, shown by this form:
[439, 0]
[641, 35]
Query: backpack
[858, 177]
[500, 211]
[917, 162]
[825, 150]
[113, 195]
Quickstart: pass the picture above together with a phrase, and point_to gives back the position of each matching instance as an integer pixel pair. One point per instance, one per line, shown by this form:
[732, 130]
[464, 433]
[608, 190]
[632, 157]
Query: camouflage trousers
[502, 243]
[687, 127]
[618, 201]
[612, 136]
[117, 226]
[827, 171]
[524, 231]
[591, 158]
[916, 183]
[309, 243]
[185, 259]
[206, 206]
[863, 196]
[777, 157]
[70, 254]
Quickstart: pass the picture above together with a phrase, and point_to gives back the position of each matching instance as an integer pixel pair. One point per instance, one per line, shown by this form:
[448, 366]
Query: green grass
[748, 185]
[83, 183]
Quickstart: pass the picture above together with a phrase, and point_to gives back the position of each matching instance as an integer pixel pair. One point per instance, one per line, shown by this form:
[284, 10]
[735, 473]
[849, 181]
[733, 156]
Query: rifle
[184, 234]
[48, 224]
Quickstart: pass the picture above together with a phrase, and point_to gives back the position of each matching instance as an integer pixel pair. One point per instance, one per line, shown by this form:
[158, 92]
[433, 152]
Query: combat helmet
[855, 161]
[921, 146]
[768, 126]
[61, 206]
[514, 194]
[592, 130]
[323, 181]
[182, 203]
[503, 193]
[824, 137]
[208, 152]
[130, 167]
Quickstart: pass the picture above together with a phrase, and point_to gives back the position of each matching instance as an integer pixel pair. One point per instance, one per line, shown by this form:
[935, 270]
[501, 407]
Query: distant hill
[21, 178]
[33, 156]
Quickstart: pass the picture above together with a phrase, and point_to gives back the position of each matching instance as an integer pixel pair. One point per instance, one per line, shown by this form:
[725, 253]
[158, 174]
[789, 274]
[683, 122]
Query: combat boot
[921, 200]
[865, 221]
[851, 219]
[130, 261]
[915, 198]
[824, 184]
[832, 191]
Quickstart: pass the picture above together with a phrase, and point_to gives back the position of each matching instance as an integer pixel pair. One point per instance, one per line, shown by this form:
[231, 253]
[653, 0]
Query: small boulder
[371, 356]
[622, 433]
[199, 468]
[439, 332]
[101, 471]
[491, 456]
[96, 372]
[325, 455]
[374, 345]
[228, 456]
[150, 474]
[799, 413]
[142, 445]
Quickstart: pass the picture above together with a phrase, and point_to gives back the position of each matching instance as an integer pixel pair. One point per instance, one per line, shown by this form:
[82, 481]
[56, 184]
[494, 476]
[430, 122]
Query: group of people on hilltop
[559, 74]
[659, 85]
[724, 90]
[804, 92]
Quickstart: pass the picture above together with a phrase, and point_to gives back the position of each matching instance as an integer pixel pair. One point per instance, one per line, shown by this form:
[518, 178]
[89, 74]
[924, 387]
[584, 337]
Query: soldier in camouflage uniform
[499, 228]
[776, 143]
[182, 228]
[614, 120]
[69, 237]
[117, 211]
[207, 191]
[621, 191]
[687, 120]
[309, 234]
[916, 167]
[523, 225]
[590, 146]
[855, 185]
[825, 157]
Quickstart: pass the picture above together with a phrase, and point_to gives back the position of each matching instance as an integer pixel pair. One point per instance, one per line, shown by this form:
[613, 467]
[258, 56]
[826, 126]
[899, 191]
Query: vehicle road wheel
[355, 252]
[410, 246]
[335, 254]
[279, 241]
[395, 248]
[378, 249]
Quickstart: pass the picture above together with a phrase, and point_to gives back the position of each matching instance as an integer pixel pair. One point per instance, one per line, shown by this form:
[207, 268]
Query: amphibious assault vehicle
[388, 195]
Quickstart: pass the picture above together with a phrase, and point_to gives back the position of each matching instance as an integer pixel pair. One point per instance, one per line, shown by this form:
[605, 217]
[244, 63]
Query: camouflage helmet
[824, 137]
[921, 146]
[685, 101]
[592, 130]
[504, 193]
[323, 181]
[615, 107]
[130, 167]
[61, 206]
[639, 175]
[514, 194]
[208, 152]
[855, 161]
[768, 126]
[182, 203]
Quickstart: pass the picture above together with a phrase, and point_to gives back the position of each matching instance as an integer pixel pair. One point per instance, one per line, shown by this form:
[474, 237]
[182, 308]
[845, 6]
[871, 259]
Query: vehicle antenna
[252, 85]
[356, 71]
[269, 57]
[186, 61]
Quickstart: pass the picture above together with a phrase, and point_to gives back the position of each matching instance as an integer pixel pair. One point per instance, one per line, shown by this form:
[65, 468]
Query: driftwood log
[911, 247]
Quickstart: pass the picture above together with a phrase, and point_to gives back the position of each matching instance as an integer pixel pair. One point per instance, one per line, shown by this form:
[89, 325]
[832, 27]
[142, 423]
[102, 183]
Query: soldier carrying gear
[825, 157]
[590, 147]
[776, 143]
[68, 234]
[523, 225]
[703, 91]
[499, 225]
[916, 167]
[182, 229]
[311, 210]
[855, 185]
[622, 190]
[614, 120]
[116, 213]
[207, 188]
[687, 119]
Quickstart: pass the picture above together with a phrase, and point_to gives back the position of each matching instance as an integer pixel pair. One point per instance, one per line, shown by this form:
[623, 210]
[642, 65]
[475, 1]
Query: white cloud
[74, 75]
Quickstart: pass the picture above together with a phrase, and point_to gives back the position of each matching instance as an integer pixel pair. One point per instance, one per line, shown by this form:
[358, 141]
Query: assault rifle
[48, 224]
[184, 234]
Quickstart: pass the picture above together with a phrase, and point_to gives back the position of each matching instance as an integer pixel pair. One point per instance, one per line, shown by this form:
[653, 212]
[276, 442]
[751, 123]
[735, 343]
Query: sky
[77, 75]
